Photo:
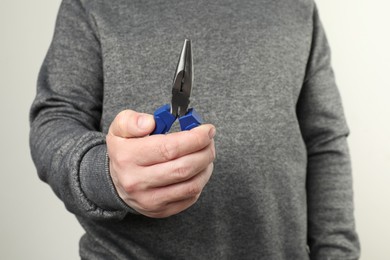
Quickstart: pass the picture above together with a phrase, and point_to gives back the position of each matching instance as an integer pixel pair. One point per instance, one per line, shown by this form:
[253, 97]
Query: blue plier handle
[166, 115]
[164, 120]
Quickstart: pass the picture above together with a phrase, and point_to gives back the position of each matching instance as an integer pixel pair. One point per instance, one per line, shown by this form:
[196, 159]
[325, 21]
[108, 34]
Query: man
[281, 186]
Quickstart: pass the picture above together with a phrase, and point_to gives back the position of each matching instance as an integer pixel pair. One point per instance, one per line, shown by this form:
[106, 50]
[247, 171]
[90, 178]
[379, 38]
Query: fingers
[128, 124]
[178, 170]
[163, 174]
[164, 148]
[172, 199]
[183, 190]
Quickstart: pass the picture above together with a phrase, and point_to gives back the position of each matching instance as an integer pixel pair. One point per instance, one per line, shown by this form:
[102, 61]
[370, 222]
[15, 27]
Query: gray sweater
[281, 185]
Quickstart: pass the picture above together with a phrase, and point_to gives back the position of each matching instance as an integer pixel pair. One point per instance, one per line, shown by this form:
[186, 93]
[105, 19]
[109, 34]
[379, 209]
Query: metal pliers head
[182, 81]
[166, 115]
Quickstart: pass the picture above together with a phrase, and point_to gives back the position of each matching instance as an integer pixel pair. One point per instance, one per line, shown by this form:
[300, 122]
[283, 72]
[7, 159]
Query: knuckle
[120, 159]
[181, 172]
[166, 151]
[198, 139]
[129, 185]
[144, 205]
[150, 203]
[194, 189]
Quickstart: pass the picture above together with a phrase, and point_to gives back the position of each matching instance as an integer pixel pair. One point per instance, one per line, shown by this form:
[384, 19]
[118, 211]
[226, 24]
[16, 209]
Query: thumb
[130, 124]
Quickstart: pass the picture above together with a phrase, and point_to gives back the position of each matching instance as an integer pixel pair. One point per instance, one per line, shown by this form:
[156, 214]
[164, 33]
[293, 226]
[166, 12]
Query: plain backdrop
[34, 223]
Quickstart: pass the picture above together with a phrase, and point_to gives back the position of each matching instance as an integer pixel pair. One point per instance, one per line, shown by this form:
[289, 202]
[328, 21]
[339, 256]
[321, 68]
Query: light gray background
[34, 223]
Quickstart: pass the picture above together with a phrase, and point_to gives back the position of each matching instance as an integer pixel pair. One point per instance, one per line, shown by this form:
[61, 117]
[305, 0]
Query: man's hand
[158, 175]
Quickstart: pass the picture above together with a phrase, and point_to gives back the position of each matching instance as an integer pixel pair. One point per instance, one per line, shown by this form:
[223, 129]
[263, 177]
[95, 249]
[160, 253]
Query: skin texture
[158, 175]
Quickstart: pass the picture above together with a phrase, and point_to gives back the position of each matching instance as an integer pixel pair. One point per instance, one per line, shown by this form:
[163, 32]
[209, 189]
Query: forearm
[67, 146]
[65, 153]
[330, 202]
[331, 230]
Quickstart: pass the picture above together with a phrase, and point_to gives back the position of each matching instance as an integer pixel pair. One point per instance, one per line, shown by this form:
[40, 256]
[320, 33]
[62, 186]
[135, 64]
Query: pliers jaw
[182, 81]
[166, 115]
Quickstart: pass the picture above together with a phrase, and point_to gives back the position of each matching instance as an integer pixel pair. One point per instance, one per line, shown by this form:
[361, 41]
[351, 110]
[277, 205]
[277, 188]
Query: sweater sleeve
[331, 228]
[66, 145]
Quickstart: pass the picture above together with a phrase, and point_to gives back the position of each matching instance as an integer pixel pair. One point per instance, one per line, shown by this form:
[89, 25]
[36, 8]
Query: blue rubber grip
[190, 120]
[164, 120]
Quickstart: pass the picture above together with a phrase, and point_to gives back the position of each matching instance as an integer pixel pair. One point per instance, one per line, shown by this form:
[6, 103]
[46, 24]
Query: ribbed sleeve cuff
[96, 181]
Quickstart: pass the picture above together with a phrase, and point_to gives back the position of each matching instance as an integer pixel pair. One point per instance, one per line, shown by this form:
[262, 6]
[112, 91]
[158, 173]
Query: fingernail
[212, 133]
[143, 122]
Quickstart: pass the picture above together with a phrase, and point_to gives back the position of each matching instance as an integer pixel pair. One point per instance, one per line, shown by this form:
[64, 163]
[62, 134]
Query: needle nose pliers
[166, 115]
